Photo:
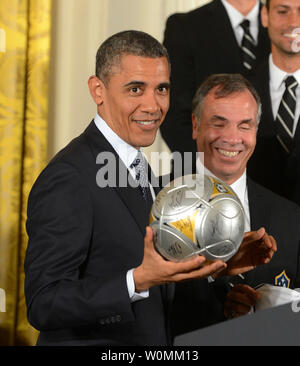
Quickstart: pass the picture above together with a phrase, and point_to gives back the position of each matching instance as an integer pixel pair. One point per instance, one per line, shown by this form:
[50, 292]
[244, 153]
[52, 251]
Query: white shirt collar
[239, 186]
[236, 17]
[126, 152]
[277, 76]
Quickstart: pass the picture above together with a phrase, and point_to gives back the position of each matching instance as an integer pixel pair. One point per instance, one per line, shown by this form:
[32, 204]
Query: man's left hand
[257, 248]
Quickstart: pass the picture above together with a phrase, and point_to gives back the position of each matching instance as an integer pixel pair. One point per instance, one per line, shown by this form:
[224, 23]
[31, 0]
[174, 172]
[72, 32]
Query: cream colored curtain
[23, 135]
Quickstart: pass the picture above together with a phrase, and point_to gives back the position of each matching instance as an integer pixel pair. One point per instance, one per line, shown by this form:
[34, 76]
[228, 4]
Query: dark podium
[279, 326]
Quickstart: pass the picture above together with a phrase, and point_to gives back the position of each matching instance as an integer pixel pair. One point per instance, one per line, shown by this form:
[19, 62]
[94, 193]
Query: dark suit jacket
[281, 218]
[200, 43]
[198, 304]
[270, 165]
[82, 241]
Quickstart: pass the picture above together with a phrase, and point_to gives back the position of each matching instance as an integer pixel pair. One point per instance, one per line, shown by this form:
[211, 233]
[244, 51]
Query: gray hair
[129, 42]
[226, 84]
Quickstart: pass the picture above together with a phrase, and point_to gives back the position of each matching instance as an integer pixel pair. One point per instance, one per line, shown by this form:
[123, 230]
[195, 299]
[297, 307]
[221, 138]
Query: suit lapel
[227, 43]
[154, 180]
[261, 81]
[263, 39]
[258, 213]
[130, 195]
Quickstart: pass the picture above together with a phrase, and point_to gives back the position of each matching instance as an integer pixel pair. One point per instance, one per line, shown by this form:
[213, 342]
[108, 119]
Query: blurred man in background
[223, 36]
[276, 160]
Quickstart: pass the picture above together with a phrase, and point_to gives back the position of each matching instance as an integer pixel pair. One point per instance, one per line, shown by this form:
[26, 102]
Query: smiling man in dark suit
[209, 40]
[276, 160]
[92, 275]
[226, 115]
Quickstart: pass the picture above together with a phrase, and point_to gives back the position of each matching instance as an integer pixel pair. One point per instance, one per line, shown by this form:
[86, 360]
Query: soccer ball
[197, 214]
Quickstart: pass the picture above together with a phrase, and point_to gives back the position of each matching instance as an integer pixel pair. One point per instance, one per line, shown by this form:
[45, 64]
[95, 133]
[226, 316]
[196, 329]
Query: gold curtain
[24, 68]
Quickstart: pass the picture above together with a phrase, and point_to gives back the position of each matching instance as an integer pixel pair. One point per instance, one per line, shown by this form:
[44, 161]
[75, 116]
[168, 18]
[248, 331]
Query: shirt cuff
[134, 296]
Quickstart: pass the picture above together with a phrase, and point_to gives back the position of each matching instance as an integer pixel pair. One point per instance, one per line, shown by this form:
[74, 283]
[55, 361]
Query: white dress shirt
[239, 187]
[277, 89]
[127, 154]
[236, 19]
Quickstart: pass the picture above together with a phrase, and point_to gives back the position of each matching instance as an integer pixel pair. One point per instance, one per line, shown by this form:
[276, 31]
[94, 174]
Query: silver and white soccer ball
[197, 214]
